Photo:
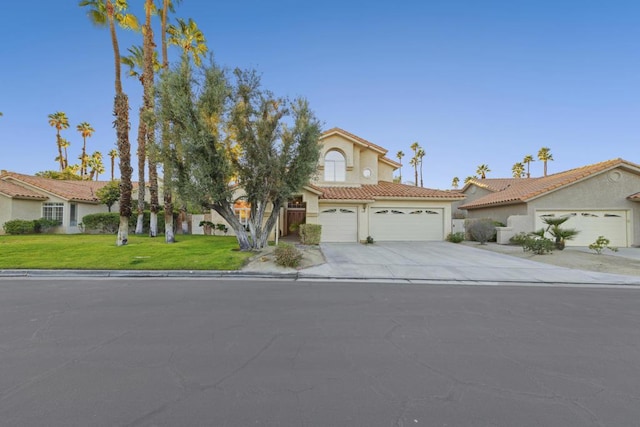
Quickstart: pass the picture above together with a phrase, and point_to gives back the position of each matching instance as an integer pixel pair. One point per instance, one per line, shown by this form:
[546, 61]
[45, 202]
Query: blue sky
[472, 81]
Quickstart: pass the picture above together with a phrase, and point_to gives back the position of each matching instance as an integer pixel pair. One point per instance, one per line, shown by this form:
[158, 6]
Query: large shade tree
[109, 13]
[273, 161]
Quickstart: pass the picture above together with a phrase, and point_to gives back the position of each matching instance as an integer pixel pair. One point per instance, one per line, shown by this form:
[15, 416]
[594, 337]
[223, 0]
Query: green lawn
[99, 252]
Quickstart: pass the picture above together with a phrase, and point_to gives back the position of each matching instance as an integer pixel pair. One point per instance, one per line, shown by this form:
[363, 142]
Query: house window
[73, 214]
[52, 211]
[335, 167]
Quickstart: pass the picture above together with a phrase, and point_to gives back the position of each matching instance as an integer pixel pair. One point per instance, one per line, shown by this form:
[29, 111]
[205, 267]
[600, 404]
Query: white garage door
[406, 224]
[591, 224]
[339, 223]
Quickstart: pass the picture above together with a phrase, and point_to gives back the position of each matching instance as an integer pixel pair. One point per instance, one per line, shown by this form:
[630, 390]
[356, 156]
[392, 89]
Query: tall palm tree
[483, 170]
[414, 161]
[455, 182]
[108, 13]
[86, 131]
[400, 155]
[59, 121]
[113, 154]
[191, 40]
[517, 170]
[469, 178]
[527, 160]
[545, 155]
[420, 154]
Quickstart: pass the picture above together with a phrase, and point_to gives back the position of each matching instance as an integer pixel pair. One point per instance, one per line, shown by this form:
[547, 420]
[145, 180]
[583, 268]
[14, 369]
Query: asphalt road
[165, 352]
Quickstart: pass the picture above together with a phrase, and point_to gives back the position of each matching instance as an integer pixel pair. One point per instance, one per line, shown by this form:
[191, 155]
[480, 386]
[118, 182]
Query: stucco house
[31, 197]
[353, 196]
[600, 200]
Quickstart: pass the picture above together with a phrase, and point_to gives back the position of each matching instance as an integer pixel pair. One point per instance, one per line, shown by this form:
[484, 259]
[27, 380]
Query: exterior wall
[83, 210]
[368, 159]
[499, 213]
[385, 172]
[472, 193]
[607, 190]
[18, 209]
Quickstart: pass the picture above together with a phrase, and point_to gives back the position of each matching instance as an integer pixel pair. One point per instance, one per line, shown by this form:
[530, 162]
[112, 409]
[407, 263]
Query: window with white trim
[53, 211]
[335, 167]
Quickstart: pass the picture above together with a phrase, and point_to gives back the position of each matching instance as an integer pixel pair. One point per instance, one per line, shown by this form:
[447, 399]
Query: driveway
[444, 261]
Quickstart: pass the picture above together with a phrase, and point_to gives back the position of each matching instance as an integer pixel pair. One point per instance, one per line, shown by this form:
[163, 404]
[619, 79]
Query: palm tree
[65, 144]
[414, 161]
[483, 170]
[96, 165]
[59, 121]
[469, 178]
[191, 40]
[108, 13]
[455, 182]
[545, 155]
[420, 154]
[400, 155]
[527, 160]
[518, 170]
[188, 36]
[113, 154]
[86, 131]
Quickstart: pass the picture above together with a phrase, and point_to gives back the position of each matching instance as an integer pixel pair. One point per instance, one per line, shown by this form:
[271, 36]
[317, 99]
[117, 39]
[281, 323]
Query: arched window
[335, 167]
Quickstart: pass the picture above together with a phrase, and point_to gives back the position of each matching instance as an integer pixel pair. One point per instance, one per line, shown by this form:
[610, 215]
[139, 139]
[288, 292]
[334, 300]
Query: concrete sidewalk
[443, 261]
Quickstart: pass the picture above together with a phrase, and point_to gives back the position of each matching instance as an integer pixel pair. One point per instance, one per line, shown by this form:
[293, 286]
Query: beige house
[30, 197]
[600, 200]
[353, 196]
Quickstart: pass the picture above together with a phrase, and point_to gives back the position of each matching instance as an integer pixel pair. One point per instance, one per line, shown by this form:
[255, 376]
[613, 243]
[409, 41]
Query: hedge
[310, 234]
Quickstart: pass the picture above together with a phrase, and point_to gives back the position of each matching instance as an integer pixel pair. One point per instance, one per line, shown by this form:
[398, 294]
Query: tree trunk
[142, 134]
[123, 231]
[153, 225]
[241, 234]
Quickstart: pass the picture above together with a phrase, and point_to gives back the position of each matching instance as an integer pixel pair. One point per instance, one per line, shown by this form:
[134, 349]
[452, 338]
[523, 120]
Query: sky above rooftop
[472, 82]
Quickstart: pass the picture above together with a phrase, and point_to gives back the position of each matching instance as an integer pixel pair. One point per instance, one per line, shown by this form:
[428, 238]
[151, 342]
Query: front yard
[99, 252]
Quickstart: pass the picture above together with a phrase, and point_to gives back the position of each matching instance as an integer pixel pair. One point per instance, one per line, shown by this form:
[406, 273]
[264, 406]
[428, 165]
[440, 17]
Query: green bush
[369, 240]
[19, 226]
[456, 237]
[519, 239]
[310, 234]
[287, 255]
[43, 225]
[102, 223]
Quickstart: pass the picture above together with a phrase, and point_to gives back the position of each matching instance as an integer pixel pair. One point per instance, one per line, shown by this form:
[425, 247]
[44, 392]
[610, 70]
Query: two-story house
[353, 196]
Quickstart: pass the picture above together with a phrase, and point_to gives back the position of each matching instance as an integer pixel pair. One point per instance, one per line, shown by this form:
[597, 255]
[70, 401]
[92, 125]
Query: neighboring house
[600, 200]
[31, 197]
[353, 196]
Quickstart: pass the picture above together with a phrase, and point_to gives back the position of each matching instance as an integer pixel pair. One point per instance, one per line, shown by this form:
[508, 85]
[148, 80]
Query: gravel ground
[576, 258]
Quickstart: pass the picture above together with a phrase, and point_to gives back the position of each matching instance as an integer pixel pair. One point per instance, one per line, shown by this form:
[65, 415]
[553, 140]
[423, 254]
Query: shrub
[519, 239]
[103, 223]
[19, 226]
[482, 230]
[287, 255]
[538, 245]
[44, 225]
[310, 234]
[456, 237]
[601, 244]
[369, 240]
[223, 228]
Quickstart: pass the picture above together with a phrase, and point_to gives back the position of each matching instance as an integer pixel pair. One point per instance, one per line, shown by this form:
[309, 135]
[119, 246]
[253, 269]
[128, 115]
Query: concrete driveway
[444, 261]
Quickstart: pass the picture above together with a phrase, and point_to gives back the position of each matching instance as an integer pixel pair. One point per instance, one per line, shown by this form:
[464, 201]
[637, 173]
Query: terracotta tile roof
[491, 184]
[386, 190]
[17, 192]
[521, 190]
[84, 191]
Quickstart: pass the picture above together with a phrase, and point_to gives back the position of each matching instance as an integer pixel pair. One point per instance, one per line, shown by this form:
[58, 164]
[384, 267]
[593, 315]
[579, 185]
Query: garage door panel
[406, 224]
[611, 224]
[339, 223]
